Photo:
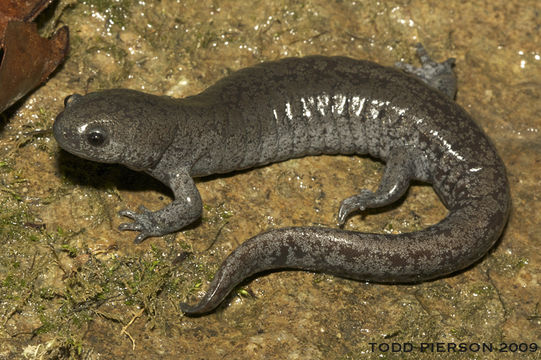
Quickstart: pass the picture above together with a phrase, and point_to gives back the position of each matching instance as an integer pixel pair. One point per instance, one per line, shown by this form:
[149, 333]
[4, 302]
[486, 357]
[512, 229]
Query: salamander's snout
[70, 99]
[60, 132]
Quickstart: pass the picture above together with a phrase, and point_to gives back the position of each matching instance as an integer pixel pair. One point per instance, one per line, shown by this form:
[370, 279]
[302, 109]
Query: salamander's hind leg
[399, 170]
[438, 75]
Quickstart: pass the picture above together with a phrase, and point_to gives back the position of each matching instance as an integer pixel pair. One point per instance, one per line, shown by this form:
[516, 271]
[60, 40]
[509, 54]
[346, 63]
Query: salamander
[297, 107]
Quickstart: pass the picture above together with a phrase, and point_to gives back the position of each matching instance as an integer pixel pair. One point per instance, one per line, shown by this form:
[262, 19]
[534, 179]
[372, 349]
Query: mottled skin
[309, 106]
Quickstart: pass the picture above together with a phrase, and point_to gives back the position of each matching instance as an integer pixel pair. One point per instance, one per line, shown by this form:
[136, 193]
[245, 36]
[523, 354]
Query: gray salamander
[296, 107]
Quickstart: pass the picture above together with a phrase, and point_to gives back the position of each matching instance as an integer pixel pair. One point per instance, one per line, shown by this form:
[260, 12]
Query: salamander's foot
[144, 222]
[438, 75]
[399, 170]
[366, 199]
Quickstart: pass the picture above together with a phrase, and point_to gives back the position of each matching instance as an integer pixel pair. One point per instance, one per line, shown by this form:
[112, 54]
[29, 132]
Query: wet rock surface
[73, 285]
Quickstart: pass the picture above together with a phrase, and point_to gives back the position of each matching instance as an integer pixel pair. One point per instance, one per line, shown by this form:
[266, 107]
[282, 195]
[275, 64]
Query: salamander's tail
[456, 242]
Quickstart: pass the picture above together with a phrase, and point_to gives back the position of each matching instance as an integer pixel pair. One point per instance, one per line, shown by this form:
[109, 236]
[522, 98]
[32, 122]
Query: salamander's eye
[96, 137]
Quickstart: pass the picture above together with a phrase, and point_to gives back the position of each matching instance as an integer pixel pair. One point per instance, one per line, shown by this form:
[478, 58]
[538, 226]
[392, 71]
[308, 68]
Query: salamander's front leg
[184, 210]
[399, 171]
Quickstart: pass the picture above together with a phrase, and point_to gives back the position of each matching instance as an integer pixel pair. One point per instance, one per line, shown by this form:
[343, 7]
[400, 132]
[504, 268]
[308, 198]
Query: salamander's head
[116, 126]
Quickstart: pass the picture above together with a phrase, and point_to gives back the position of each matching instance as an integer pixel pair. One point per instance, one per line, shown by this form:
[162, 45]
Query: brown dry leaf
[27, 58]
[24, 10]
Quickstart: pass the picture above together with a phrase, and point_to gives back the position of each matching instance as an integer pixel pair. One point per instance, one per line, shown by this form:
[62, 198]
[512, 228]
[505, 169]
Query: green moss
[244, 293]
[116, 11]
[74, 296]
[215, 215]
